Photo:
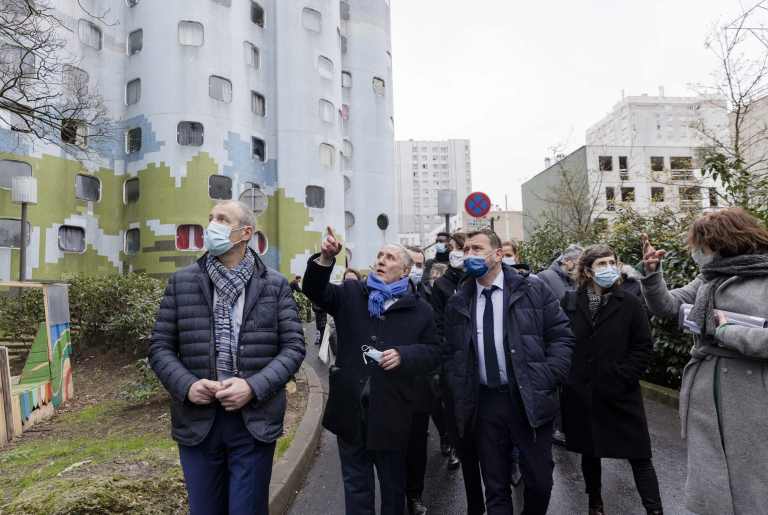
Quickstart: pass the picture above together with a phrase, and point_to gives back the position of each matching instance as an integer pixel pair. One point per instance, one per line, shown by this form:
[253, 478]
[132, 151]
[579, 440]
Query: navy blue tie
[492, 374]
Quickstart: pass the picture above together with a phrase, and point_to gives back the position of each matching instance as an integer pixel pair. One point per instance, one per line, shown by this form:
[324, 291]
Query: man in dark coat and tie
[507, 349]
[386, 338]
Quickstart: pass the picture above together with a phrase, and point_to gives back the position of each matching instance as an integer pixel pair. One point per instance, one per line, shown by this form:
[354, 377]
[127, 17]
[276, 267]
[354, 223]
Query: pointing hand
[651, 256]
[329, 249]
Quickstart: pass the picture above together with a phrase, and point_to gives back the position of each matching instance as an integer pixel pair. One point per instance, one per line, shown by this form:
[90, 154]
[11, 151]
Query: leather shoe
[445, 447]
[516, 475]
[558, 438]
[453, 460]
[416, 506]
[596, 505]
[655, 512]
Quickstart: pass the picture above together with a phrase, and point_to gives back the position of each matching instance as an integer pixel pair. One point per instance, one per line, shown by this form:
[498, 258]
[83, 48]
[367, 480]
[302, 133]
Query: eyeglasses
[604, 265]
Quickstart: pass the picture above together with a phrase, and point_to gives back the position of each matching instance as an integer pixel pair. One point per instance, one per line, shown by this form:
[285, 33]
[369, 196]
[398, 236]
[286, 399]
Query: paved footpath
[322, 492]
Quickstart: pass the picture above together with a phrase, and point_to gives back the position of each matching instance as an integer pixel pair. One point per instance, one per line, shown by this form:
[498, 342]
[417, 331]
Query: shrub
[304, 305]
[145, 383]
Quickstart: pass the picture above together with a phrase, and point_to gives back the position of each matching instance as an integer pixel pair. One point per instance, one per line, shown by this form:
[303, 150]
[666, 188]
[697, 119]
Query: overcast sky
[518, 77]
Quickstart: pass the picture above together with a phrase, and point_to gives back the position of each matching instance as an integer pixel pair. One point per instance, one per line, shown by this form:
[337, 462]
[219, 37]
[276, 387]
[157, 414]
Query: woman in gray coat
[724, 395]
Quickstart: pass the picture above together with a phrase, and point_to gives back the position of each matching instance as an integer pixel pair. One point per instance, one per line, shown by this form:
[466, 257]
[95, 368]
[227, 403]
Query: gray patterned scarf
[717, 272]
[229, 285]
[594, 300]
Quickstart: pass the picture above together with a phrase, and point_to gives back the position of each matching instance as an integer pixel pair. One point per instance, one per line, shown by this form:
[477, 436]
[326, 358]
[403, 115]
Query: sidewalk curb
[661, 395]
[289, 472]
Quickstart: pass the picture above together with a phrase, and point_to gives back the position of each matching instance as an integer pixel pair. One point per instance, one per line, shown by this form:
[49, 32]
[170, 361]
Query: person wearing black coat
[386, 338]
[321, 319]
[295, 284]
[630, 284]
[603, 412]
[507, 348]
[227, 401]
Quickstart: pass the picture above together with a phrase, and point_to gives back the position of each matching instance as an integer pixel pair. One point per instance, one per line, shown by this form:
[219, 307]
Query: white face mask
[701, 258]
[457, 259]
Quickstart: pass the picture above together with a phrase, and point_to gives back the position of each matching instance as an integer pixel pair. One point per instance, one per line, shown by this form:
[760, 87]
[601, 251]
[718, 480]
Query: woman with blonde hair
[724, 395]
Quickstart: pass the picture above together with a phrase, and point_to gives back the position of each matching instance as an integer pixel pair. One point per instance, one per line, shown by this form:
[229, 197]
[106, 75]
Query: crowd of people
[505, 362]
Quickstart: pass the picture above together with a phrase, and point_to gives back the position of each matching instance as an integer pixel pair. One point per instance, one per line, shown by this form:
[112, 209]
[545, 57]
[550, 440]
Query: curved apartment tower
[217, 99]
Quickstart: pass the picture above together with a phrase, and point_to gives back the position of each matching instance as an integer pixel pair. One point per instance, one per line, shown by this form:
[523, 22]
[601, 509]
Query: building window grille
[220, 88]
[220, 187]
[71, 239]
[10, 169]
[90, 35]
[132, 241]
[191, 33]
[133, 140]
[681, 167]
[189, 134]
[258, 104]
[133, 91]
[131, 191]
[315, 197]
[259, 149]
[135, 42]
[312, 20]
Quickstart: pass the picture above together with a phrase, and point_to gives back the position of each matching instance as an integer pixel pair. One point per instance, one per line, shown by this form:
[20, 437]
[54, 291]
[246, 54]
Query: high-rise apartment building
[217, 98]
[661, 121]
[422, 169]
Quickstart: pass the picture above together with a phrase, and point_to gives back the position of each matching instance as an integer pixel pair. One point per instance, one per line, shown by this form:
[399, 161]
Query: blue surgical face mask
[216, 238]
[372, 353]
[416, 274]
[440, 248]
[701, 258]
[508, 261]
[475, 265]
[605, 277]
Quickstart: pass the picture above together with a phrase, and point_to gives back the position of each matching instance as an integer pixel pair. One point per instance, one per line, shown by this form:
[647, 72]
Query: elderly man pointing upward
[386, 339]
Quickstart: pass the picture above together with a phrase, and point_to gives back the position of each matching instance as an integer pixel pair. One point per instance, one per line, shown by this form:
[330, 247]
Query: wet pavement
[322, 492]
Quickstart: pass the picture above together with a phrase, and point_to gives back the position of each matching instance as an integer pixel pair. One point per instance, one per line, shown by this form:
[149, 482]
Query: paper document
[735, 318]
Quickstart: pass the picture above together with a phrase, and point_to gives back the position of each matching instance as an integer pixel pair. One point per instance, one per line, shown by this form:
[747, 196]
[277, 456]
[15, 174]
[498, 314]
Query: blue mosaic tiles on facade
[247, 168]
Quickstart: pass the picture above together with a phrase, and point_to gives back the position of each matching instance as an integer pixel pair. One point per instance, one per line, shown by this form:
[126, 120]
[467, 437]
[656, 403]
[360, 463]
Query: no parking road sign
[477, 204]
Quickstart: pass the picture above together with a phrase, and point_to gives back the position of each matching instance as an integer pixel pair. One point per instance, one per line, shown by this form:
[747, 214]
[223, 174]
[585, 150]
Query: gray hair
[244, 213]
[572, 252]
[405, 256]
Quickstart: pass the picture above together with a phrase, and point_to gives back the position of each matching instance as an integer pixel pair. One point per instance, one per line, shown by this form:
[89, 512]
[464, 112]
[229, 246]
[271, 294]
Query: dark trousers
[500, 420]
[470, 471]
[645, 479]
[416, 455]
[438, 416]
[228, 473]
[450, 413]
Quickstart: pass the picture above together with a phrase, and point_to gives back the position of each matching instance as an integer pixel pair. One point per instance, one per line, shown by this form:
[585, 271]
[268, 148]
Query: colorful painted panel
[61, 371]
[37, 370]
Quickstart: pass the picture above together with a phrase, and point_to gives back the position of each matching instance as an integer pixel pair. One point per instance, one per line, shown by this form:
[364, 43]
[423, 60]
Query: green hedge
[625, 235]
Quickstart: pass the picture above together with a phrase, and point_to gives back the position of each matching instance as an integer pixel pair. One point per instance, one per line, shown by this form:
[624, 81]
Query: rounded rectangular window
[189, 237]
[225, 3]
[325, 67]
[251, 55]
[133, 91]
[10, 169]
[220, 88]
[258, 104]
[87, 188]
[379, 86]
[71, 239]
[257, 14]
[10, 233]
[348, 148]
[220, 187]
[191, 33]
[315, 197]
[75, 81]
[259, 149]
[89, 34]
[132, 3]
[132, 241]
[327, 155]
[74, 132]
[326, 111]
[133, 140]
[349, 220]
[343, 44]
[344, 113]
[135, 42]
[389, 60]
[312, 20]
[344, 10]
[346, 80]
[131, 191]
[189, 134]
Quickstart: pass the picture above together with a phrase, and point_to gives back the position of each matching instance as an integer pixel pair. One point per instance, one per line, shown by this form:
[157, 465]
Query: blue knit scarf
[381, 292]
[229, 285]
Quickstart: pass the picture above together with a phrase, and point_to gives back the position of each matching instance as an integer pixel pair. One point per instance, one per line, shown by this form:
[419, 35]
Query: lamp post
[24, 191]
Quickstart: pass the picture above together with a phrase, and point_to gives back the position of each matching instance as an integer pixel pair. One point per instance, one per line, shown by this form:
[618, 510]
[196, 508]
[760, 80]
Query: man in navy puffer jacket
[226, 341]
[507, 348]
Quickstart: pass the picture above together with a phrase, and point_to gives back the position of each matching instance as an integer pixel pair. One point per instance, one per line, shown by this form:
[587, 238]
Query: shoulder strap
[570, 301]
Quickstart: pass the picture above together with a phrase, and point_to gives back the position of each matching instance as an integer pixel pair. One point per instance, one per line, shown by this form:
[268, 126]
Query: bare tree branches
[44, 95]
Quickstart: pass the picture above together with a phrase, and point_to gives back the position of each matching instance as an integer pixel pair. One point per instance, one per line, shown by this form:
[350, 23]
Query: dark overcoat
[537, 341]
[603, 412]
[270, 349]
[408, 326]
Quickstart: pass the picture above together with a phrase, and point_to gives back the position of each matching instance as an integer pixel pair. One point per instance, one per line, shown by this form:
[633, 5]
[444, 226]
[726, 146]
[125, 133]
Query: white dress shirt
[497, 297]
